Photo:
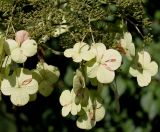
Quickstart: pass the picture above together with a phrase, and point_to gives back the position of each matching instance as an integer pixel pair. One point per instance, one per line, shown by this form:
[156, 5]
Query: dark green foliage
[106, 18]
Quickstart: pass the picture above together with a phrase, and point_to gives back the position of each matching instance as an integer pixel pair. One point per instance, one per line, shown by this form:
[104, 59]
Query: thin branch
[90, 29]
[114, 87]
[136, 27]
[53, 51]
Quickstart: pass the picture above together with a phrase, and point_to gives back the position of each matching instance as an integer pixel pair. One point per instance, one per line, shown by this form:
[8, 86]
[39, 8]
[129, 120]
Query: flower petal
[6, 87]
[19, 97]
[123, 43]
[10, 45]
[18, 56]
[29, 47]
[130, 51]
[144, 79]
[75, 108]
[31, 87]
[66, 110]
[128, 37]
[84, 122]
[23, 75]
[99, 112]
[9, 84]
[68, 53]
[134, 72]
[21, 36]
[65, 98]
[77, 57]
[99, 49]
[152, 68]
[80, 45]
[92, 68]
[104, 75]
[144, 58]
[112, 59]
[88, 55]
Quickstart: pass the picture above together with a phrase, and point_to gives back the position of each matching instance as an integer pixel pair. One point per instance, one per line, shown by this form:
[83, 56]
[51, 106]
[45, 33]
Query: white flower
[146, 69]
[46, 75]
[67, 100]
[79, 52]
[94, 112]
[19, 86]
[106, 62]
[22, 48]
[128, 45]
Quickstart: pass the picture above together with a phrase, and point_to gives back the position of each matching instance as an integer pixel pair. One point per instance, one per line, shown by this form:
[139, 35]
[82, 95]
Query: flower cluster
[20, 83]
[97, 67]
[82, 102]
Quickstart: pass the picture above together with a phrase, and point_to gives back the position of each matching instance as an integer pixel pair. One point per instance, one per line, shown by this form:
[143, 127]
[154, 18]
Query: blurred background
[139, 107]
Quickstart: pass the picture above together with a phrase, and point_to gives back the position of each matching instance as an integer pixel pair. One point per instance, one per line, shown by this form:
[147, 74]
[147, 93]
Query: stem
[53, 51]
[90, 29]
[114, 87]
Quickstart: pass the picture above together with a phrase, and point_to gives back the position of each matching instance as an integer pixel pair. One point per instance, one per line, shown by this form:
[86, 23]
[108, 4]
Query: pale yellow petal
[65, 98]
[85, 122]
[31, 87]
[100, 48]
[152, 68]
[77, 57]
[100, 112]
[128, 37]
[75, 109]
[134, 72]
[111, 59]
[29, 47]
[92, 69]
[144, 58]
[123, 43]
[19, 97]
[18, 56]
[143, 79]
[9, 84]
[87, 56]
[66, 110]
[68, 53]
[10, 45]
[104, 75]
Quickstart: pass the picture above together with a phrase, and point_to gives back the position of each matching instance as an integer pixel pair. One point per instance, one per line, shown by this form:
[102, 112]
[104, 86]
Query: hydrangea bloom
[79, 52]
[46, 75]
[106, 62]
[146, 69]
[128, 46]
[94, 112]
[22, 48]
[19, 86]
[67, 100]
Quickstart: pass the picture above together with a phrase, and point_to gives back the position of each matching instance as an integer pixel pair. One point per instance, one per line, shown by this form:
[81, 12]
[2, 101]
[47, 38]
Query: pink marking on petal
[27, 81]
[107, 67]
[21, 36]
